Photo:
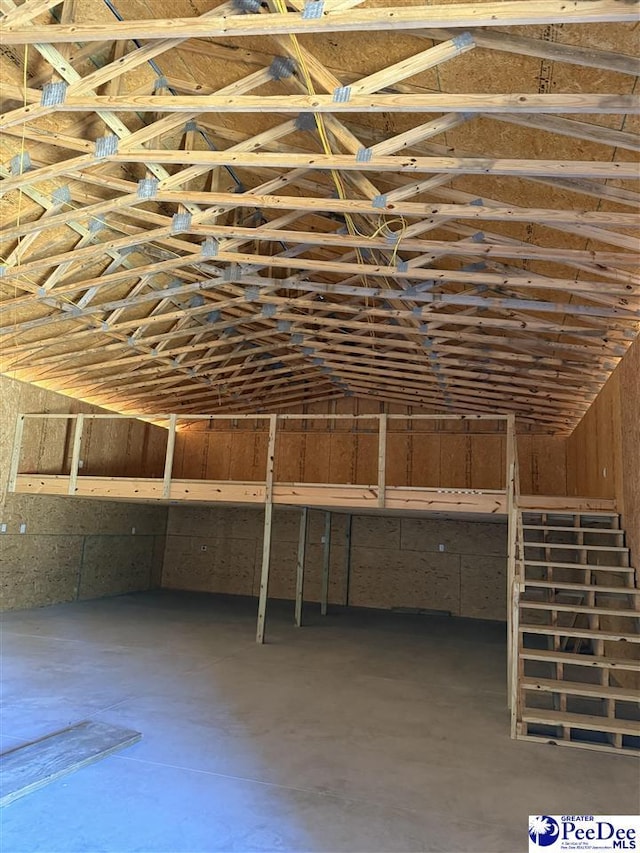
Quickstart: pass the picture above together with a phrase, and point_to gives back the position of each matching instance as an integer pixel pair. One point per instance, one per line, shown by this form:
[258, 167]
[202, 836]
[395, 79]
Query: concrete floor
[362, 732]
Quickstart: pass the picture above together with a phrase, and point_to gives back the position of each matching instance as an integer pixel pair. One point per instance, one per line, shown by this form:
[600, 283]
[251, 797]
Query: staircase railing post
[514, 639]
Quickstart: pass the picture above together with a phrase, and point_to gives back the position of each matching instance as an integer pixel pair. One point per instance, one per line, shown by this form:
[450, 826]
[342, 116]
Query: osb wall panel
[441, 454]
[117, 564]
[72, 547]
[604, 449]
[403, 563]
[109, 447]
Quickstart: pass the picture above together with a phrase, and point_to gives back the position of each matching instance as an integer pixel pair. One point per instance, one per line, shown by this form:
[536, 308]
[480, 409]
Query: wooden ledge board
[27, 768]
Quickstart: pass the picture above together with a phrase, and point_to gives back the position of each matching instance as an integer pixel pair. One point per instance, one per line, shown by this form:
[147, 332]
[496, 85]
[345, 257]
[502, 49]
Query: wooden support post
[382, 459]
[347, 559]
[513, 642]
[75, 454]
[266, 540]
[302, 544]
[326, 557]
[168, 460]
[511, 553]
[15, 454]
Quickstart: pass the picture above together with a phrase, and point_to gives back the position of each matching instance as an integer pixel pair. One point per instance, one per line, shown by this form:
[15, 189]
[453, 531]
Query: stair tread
[610, 530]
[568, 597]
[610, 590]
[581, 721]
[559, 631]
[596, 568]
[580, 660]
[579, 608]
[579, 744]
[587, 513]
[569, 546]
[579, 688]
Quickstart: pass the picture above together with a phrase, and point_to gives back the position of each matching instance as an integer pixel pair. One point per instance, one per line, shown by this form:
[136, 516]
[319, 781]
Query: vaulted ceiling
[258, 203]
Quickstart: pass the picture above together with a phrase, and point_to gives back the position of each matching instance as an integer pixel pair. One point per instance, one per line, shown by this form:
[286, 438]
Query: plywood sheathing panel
[53, 547]
[395, 562]
[434, 454]
[39, 569]
[116, 564]
[604, 450]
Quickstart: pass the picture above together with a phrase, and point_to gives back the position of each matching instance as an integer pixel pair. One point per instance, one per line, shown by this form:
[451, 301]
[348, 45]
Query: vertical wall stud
[382, 458]
[326, 557]
[168, 459]
[15, 454]
[347, 559]
[268, 518]
[75, 454]
[302, 545]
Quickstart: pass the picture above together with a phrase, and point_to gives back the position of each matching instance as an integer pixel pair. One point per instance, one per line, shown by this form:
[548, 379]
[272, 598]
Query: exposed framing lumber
[326, 565]
[382, 459]
[268, 521]
[15, 453]
[83, 316]
[347, 557]
[300, 566]
[168, 459]
[75, 453]
[427, 212]
[410, 103]
[571, 54]
[460, 15]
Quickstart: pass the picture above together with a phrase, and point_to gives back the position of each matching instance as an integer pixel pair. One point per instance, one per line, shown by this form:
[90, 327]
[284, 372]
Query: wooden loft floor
[161, 480]
[361, 499]
[228, 206]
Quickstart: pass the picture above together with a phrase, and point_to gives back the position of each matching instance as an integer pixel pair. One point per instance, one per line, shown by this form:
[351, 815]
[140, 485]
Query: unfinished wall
[395, 562]
[444, 454]
[604, 450]
[56, 549]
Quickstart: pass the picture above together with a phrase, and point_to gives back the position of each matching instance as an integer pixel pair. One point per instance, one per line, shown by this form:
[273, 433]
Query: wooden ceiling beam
[24, 14]
[572, 54]
[555, 425]
[442, 341]
[574, 129]
[427, 212]
[584, 104]
[626, 317]
[487, 345]
[413, 273]
[465, 393]
[474, 367]
[459, 15]
[396, 164]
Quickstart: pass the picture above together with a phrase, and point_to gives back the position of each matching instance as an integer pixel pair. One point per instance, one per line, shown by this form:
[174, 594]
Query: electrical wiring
[326, 145]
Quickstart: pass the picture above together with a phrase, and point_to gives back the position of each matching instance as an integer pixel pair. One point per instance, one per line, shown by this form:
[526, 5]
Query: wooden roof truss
[240, 209]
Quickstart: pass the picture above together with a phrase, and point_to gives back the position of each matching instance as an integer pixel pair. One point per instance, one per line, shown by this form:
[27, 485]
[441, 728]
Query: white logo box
[584, 833]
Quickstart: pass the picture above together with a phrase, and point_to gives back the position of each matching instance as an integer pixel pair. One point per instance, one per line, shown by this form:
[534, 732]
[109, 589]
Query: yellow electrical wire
[326, 145]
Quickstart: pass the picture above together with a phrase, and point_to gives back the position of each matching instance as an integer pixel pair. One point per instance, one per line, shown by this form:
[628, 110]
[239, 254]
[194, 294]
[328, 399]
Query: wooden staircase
[576, 622]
